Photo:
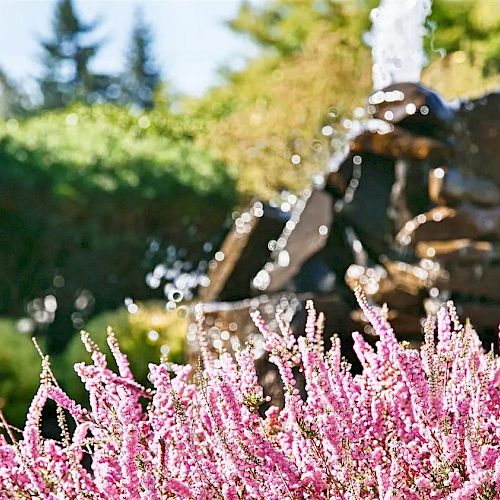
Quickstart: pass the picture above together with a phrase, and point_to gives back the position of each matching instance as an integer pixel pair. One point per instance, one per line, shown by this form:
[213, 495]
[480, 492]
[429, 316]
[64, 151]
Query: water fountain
[410, 210]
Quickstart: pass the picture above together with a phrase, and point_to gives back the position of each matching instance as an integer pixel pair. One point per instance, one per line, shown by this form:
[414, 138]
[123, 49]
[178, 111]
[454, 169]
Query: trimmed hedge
[146, 336]
[90, 200]
[19, 371]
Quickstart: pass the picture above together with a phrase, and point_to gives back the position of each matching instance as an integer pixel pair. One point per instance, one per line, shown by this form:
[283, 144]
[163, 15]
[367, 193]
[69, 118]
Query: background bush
[145, 336]
[19, 372]
[90, 197]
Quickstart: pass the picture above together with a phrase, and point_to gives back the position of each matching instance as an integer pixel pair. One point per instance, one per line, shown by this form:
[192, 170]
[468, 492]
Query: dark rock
[451, 187]
[477, 130]
[402, 143]
[484, 318]
[229, 324]
[479, 281]
[364, 207]
[244, 251]
[384, 288]
[444, 223]
[305, 235]
[415, 108]
[463, 251]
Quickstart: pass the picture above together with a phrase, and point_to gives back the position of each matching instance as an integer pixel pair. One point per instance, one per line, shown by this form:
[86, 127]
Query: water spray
[396, 39]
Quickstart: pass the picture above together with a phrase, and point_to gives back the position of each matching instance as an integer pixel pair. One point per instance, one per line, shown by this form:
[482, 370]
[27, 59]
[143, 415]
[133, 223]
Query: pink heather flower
[120, 358]
[414, 424]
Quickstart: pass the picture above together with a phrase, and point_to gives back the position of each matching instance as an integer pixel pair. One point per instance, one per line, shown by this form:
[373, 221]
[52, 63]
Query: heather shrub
[415, 424]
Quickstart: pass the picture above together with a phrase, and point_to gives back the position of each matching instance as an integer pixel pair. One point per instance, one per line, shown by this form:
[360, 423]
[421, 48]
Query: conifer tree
[142, 76]
[66, 59]
[13, 101]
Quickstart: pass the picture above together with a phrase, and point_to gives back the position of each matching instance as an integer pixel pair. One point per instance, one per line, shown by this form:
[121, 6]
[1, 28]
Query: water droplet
[359, 112]
[204, 281]
[327, 130]
[283, 258]
[152, 281]
[317, 146]
[12, 125]
[376, 98]
[333, 112]
[357, 246]
[261, 280]
[272, 245]
[411, 108]
[153, 335]
[25, 325]
[72, 119]
[133, 308]
[50, 303]
[439, 173]
[175, 295]
[144, 122]
[59, 281]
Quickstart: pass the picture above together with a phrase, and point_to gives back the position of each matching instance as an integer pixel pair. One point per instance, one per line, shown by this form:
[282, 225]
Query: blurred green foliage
[470, 26]
[107, 149]
[145, 337]
[285, 26]
[84, 191]
[463, 47]
[314, 71]
[266, 121]
[20, 367]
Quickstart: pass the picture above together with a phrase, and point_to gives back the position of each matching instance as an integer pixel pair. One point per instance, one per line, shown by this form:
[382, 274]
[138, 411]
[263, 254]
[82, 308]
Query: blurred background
[133, 133]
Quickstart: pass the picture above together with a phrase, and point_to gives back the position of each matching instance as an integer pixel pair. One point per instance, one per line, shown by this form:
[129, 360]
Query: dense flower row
[413, 425]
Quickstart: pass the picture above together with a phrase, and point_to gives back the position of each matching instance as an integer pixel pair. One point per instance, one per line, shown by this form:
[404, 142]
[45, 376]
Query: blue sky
[191, 38]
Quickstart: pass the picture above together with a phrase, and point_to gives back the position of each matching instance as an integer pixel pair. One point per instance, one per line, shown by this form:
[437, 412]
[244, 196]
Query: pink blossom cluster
[415, 424]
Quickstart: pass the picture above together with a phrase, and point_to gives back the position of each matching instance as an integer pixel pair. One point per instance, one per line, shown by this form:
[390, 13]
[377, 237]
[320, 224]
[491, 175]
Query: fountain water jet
[396, 39]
